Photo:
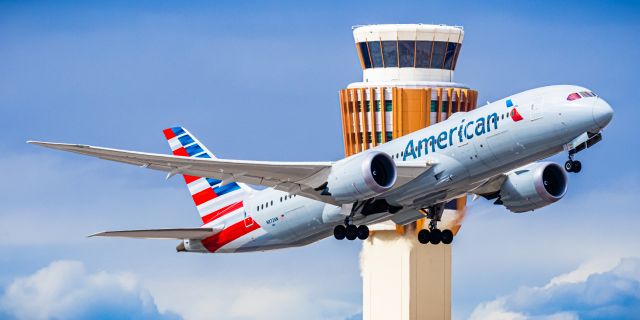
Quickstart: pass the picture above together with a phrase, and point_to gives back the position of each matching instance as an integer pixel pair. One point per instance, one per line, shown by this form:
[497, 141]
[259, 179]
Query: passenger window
[271, 202]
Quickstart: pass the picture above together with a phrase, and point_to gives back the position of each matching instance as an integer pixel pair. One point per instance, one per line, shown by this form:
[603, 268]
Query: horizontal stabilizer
[179, 233]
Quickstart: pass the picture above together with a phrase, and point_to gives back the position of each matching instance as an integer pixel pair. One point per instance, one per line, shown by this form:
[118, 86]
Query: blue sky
[260, 80]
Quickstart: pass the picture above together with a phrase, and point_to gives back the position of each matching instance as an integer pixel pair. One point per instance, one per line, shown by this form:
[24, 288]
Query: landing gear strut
[572, 165]
[435, 235]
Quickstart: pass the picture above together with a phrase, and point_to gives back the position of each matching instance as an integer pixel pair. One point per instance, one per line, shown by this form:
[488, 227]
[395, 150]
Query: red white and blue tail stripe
[216, 203]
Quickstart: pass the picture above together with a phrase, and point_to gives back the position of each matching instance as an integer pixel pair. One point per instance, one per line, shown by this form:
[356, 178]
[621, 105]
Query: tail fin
[213, 200]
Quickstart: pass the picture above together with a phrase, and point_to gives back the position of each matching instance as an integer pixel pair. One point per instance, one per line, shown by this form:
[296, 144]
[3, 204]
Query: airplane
[493, 151]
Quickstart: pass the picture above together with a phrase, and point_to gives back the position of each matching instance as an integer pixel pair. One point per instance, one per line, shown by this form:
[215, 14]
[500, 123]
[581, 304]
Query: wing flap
[178, 233]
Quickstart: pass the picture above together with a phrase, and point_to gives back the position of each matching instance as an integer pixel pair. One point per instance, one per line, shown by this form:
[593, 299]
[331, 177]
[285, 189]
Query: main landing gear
[572, 165]
[435, 235]
[351, 232]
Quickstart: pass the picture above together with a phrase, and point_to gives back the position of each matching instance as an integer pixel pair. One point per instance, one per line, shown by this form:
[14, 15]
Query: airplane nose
[602, 113]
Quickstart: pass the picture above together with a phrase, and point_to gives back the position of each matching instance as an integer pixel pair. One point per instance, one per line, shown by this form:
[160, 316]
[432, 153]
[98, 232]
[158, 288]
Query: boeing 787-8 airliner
[491, 152]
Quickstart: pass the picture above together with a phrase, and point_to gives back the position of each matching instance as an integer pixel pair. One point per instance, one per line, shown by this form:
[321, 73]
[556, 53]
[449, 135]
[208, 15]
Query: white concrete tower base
[403, 279]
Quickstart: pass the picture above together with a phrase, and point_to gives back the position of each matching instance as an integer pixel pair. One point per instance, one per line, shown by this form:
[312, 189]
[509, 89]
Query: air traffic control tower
[407, 84]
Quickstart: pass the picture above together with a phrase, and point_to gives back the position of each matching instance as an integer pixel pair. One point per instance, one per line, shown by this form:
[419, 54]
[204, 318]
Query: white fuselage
[469, 148]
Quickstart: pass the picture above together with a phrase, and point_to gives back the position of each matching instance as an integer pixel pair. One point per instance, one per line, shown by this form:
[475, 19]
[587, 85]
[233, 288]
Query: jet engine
[361, 177]
[533, 187]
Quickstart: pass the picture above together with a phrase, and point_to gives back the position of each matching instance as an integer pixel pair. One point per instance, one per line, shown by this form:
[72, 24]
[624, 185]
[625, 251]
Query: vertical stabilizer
[214, 200]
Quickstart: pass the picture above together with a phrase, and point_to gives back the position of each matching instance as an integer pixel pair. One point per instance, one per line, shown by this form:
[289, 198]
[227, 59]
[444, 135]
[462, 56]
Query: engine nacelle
[361, 177]
[534, 186]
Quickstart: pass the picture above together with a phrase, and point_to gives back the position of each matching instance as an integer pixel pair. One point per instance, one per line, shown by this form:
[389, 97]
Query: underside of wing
[491, 187]
[178, 233]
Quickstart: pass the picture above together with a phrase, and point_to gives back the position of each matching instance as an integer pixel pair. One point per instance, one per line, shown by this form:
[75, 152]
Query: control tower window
[423, 53]
[407, 53]
[437, 58]
[364, 53]
[455, 59]
[451, 51]
[376, 54]
[390, 50]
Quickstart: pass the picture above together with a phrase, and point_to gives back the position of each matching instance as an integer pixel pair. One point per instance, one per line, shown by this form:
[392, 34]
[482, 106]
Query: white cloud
[243, 286]
[592, 291]
[64, 290]
[233, 298]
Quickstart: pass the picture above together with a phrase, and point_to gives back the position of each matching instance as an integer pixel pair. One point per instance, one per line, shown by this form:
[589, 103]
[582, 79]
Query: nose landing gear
[572, 165]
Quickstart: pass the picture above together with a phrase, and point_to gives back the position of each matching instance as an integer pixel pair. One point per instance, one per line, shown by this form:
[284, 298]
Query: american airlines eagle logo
[515, 115]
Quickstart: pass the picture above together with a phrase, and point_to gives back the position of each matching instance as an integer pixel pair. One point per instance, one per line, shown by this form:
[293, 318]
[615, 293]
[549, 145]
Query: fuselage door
[535, 110]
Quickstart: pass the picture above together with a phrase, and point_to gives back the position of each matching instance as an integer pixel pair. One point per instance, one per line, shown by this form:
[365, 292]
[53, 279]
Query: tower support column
[403, 279]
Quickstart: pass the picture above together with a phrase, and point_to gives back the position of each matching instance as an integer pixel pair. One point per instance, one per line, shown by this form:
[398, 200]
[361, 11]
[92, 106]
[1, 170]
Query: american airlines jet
[492, 152]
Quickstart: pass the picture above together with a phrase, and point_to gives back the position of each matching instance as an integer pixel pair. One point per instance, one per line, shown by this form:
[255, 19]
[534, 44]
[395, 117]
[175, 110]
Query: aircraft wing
[303, 178]
[180, 233]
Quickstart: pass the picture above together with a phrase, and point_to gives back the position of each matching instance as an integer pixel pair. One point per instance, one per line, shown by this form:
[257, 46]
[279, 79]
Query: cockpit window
[573, 96]
[587, 94]
[581, 94]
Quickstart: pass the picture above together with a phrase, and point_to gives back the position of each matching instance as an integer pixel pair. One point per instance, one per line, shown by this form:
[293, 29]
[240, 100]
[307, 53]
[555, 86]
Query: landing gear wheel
[568, 166]
[363, 232]
[573, 166]
[577, 166]
[447, 236]
[339, 232]
[435, 236]
[352, 232]
[423, 236]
